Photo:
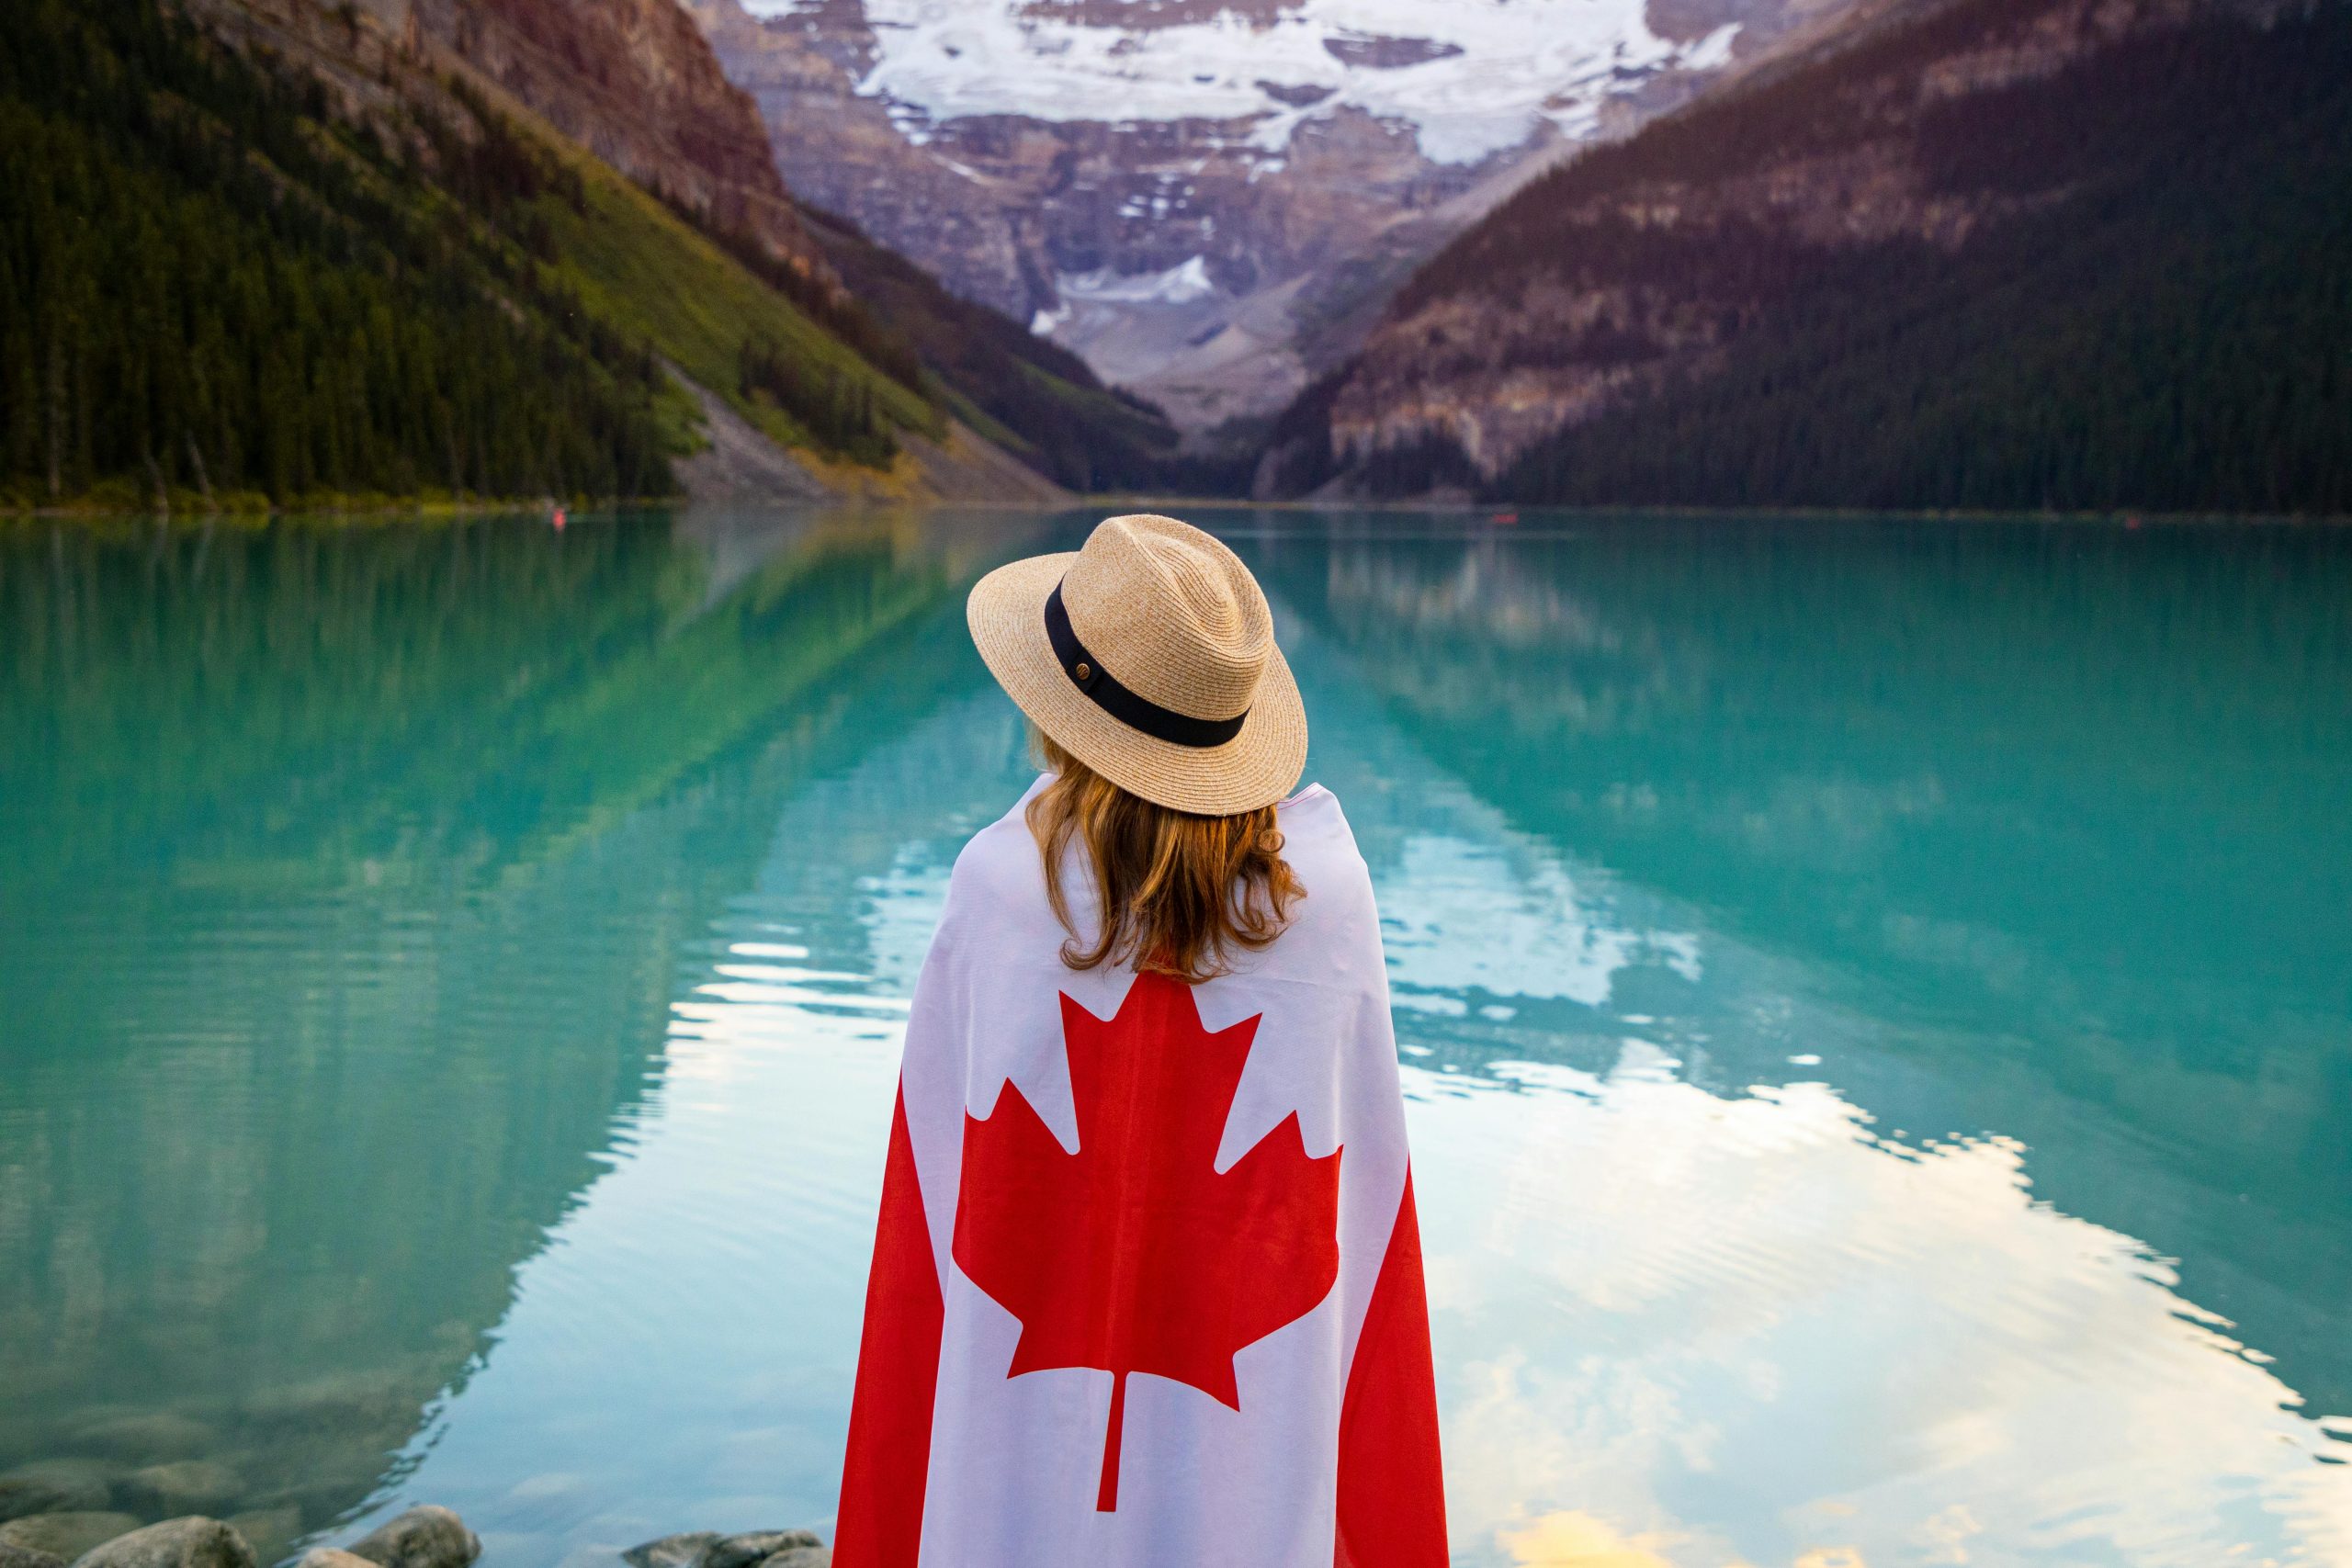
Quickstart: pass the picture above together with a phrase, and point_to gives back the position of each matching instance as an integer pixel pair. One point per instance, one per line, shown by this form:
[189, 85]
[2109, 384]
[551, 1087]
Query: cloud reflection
[1709, 1330]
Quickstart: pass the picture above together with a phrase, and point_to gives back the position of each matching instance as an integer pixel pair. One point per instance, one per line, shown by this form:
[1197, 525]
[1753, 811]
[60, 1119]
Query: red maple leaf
[1136, 1254]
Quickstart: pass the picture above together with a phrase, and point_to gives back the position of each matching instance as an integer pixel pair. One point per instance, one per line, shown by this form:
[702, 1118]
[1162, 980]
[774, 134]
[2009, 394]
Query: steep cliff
[634, 82]
[1207, 199]
[630, 80]
[2053, 253]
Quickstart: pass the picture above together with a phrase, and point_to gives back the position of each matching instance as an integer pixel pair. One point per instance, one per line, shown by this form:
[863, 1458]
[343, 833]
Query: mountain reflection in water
[1876, 1005]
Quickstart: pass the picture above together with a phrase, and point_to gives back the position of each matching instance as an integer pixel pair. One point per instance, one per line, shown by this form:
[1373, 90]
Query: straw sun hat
[1150, 655]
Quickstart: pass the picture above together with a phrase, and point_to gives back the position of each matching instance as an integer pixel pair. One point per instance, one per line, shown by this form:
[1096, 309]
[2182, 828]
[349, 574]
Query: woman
[1147, 1289]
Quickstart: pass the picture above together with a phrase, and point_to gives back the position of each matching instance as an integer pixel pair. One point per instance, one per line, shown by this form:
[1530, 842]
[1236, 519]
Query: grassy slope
[649, 274]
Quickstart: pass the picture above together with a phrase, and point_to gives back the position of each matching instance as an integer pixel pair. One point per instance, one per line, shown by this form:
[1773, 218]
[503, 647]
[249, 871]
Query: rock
[708, 1548]
[67, 1535]
[673, 1550]
[424, 1536]
[147, 1436]
[55, 1486]
[754, 1547]
[191, 1542]
[269, 1532]
[184, 1486]
[26, 1557]
[800, 1557]
[330, 1557]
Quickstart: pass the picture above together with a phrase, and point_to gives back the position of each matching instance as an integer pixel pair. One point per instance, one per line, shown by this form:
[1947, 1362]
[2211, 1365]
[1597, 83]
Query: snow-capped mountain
[1208, 199]
[1470, 77]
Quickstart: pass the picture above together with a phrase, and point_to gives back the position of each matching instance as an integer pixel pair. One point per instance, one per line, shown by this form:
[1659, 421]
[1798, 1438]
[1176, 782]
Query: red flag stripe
[880, 1523]
[1391, 1490]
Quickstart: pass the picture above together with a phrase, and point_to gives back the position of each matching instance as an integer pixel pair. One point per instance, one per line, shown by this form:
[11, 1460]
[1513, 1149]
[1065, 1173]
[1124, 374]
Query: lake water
[1876, 1005]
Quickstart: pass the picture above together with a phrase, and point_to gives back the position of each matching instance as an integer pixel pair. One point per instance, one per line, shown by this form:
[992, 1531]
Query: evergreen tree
[207, 284]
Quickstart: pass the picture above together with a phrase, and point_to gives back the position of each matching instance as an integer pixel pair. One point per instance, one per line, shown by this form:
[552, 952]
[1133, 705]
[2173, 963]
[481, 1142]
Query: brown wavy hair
[1180, 893]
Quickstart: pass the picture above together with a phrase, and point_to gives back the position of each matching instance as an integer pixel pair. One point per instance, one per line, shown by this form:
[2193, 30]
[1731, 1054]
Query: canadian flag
[1146, 1288]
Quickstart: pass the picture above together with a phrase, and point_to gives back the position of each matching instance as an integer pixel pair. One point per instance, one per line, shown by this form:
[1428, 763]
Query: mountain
[636, 83]
[2064, 253]
[1206, 199]
[277, 253]
[630, 81]
[1029, 396]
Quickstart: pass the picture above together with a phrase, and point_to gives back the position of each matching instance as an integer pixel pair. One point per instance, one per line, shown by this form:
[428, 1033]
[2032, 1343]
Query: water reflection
[1875, 1007]
[342, 873]
[1744, 1330]
[2016, 836]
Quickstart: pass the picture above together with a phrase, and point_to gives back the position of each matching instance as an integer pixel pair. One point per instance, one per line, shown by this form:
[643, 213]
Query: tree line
[209, 287]
[2171, 334]
[2155, 314]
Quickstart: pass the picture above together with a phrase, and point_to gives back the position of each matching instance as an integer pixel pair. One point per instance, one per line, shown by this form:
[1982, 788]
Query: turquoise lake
[1876, 996]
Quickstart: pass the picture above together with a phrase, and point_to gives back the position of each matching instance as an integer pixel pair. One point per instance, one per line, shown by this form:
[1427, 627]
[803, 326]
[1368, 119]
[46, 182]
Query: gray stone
[184, 1486]
[330, 1557]
[55, 1486]
[424, 1536]
[800, 1557]
[191, 1542]
[26, 1557]
[66, 1535]
[269, 1532]
[753, 1547]
[673, 1550]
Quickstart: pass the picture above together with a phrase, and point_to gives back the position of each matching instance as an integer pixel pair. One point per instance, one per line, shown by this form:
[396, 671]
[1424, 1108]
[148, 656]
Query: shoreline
[1494, 514]
[425, 1536]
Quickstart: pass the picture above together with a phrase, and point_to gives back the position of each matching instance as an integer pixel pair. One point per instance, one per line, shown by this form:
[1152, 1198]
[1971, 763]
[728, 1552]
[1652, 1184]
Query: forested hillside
[223, 286]
[2045, 254]
[274, 254]
[207, 286]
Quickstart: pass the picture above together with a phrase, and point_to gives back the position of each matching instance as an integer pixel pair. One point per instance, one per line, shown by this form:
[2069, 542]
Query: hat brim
[1258, 767]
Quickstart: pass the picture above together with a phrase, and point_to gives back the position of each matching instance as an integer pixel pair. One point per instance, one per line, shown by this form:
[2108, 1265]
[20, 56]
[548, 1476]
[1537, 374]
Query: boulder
[55, 1486]
[191, 1542]
[182, 1487]
[673, 1550]
[66, 1535]
[269, 1532]
[424, 1536]
[26, 1557]
[753, 1547]
[330, 1557]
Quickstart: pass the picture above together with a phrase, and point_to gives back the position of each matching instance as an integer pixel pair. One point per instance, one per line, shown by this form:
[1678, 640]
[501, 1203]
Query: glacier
[1493, 71]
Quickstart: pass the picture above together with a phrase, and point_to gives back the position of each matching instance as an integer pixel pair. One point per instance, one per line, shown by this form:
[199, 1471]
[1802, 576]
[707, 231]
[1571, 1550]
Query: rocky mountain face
[1207, 199]
[1876, 229]
[632, 80]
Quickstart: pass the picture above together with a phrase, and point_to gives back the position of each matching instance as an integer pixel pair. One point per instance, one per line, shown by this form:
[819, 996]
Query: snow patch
[1180, 285]
[1489, 72]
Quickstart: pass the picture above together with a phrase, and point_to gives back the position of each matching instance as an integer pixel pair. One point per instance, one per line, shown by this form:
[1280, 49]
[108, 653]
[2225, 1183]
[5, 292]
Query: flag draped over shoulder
[1146, 1288]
